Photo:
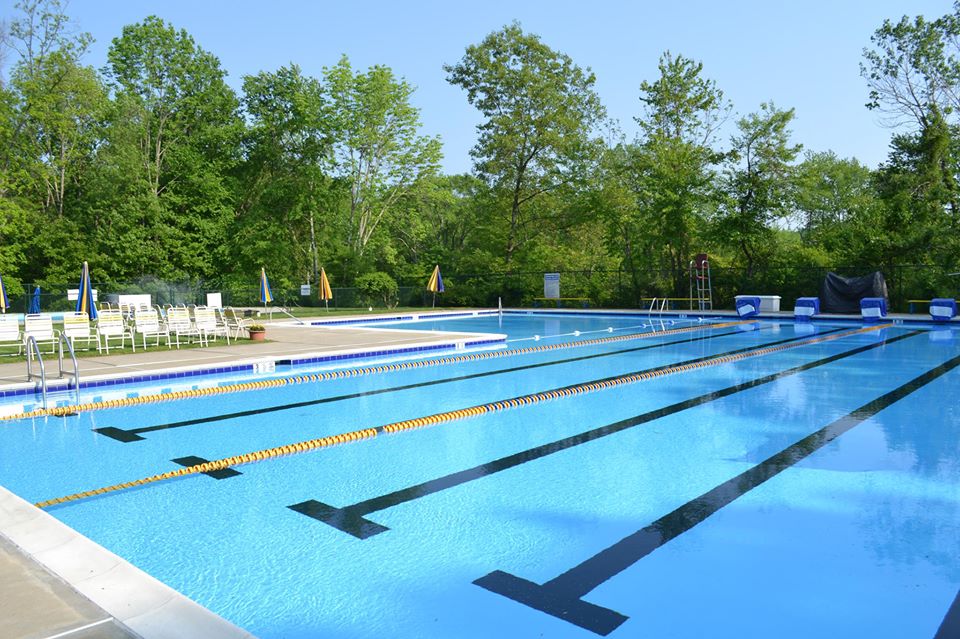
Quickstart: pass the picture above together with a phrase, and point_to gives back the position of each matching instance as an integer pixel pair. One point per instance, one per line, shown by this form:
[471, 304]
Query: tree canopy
[154, 167]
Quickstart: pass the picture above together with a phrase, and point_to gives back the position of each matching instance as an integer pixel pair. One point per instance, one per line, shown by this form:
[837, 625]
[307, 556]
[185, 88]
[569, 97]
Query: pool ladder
[33, 350]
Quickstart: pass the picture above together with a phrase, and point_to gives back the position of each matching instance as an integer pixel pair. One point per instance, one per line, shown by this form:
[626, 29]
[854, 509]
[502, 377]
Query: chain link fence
[599, 288]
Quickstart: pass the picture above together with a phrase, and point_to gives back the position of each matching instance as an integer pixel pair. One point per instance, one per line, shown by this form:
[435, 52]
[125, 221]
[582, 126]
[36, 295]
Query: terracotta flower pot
[258, 336]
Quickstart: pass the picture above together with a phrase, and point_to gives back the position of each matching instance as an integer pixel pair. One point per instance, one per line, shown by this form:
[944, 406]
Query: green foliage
[758, 184]
[377, 289]
[535, 146]
[155, 171]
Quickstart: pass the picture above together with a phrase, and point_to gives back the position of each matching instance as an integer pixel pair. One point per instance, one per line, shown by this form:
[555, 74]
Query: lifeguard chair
[701, 289]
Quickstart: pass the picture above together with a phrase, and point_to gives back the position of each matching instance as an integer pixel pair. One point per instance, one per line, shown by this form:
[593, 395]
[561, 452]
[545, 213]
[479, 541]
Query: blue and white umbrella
[35, 301]
[85, 303]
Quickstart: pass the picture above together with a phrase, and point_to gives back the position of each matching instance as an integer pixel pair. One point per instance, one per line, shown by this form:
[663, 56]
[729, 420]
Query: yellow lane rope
[439, 418]
[350, 372]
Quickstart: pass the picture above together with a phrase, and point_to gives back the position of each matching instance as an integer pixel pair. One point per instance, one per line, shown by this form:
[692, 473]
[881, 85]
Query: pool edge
[138, 601]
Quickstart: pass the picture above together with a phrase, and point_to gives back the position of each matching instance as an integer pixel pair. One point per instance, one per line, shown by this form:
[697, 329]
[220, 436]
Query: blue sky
[803, 55]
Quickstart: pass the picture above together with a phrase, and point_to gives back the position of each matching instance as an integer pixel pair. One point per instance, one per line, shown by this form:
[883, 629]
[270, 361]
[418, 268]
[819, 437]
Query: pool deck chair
[111, 326]
[748, 306]
[873, 309]
[10, 332]
[40, 328]
[205, 321]
[179, 324]
[806, 307]
[236, 325]
[147, 323]
[943, 309]
[76, 327]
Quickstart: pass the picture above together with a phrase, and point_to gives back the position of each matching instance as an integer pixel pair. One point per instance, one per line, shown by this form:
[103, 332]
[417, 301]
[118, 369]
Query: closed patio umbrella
[85, 303]
[266, 297]
[435, 285]
[4, 302]
[35, 301]
[326, 293]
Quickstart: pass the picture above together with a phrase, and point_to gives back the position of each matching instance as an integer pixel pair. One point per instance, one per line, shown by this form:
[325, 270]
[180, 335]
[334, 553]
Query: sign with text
[551, 285]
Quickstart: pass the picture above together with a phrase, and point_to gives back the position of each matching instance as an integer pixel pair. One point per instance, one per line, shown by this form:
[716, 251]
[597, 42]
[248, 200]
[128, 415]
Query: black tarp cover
[840, 294]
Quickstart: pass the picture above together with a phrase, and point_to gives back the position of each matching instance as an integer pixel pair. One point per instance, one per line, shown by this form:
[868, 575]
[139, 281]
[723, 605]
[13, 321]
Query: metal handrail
[73, 356]
[280, 309]
[32, 348]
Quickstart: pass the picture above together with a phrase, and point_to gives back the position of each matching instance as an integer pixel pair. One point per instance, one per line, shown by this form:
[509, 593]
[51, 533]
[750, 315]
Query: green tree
[757, 184]
[174, 106]
[673, 165]
[912, 67]
[378, 152]
[832, 197]
[282, 183]
[536, 142]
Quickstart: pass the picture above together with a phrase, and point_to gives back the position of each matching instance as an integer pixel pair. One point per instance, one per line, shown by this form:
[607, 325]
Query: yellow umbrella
[326, 293]
[435, 285]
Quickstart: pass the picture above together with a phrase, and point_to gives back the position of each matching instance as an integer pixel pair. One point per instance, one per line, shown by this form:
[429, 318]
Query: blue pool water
[806, 492]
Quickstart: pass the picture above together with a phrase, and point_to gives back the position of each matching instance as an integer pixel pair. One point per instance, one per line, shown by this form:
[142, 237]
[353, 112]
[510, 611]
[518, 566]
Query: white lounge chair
[10, 332]
[205, 321]
[236, 325]
[40, 328]
[146, 321]
[76, 326]
[179, 323]
[111, 326]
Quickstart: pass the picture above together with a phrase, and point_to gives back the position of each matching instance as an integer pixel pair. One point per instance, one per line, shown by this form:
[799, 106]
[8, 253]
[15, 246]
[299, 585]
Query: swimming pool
[722, 480]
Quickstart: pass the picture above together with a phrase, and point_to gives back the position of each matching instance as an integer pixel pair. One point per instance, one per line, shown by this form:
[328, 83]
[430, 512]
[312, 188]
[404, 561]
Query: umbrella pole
[326, 304]
[434, 304]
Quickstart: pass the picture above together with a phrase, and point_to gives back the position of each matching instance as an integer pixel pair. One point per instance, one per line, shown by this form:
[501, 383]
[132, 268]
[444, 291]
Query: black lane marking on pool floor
[192, 460]
[351, 519]
[135, 434]
[950, 626]
[562, 595]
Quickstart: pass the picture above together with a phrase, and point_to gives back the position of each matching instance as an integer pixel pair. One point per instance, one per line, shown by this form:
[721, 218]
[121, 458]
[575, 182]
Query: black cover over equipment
[840, 294]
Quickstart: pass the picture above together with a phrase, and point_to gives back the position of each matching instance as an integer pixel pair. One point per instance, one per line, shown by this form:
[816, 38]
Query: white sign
[74, 293]
[305, 290]
[551, 285]
[215, 300]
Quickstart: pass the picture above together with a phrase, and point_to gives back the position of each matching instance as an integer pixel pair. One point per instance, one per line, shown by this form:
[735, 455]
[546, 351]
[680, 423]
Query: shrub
[377, 289]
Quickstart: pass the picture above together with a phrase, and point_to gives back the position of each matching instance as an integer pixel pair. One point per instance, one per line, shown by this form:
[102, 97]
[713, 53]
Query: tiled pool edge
[251, 365]
[142, 603]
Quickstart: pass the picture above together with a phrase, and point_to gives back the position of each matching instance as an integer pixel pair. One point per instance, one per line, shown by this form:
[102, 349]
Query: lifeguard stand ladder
[701, 289]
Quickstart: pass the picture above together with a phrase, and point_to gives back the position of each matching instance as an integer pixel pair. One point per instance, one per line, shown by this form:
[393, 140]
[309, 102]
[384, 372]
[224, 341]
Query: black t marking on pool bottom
[192, 460]
[134, 434]
[950, 626]
[351, 519]
[562, 595]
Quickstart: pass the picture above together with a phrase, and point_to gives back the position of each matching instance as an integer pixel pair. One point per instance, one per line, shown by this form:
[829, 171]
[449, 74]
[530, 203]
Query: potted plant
[258, 332]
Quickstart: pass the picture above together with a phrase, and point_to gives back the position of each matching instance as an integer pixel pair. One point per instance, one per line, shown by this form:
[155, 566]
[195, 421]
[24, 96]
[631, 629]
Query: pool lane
[562, 595]
[136, 434]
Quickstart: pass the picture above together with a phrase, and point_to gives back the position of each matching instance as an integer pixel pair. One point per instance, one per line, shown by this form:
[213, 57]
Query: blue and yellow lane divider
[440, 418]
[60, 411]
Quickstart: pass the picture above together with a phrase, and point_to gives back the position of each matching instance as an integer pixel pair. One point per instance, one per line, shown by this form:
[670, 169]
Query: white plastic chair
[40, 328]
[10, 332]
[110, 326]
[147, 323]
[76, 326]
